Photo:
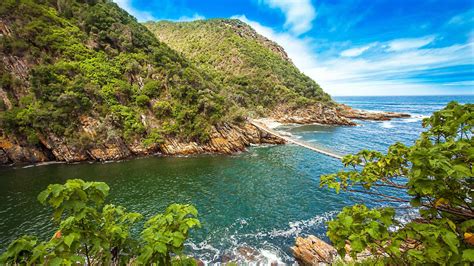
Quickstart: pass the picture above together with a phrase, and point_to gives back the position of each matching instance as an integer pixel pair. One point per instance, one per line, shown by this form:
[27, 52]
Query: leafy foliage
[89, 231]
[435, 176]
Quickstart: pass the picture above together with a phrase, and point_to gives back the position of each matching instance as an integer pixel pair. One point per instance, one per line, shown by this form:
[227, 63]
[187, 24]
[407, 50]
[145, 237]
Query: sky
[353, 47]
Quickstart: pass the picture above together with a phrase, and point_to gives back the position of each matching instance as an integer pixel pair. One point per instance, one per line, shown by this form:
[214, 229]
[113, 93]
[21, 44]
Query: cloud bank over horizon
[373, 53]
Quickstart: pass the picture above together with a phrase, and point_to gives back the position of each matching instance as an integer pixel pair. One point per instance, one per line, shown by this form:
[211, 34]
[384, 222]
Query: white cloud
[299, 14]
[353, 52]
[463, 18]
[195, 16]
[407, 44]
[384, 72]
[141, 16]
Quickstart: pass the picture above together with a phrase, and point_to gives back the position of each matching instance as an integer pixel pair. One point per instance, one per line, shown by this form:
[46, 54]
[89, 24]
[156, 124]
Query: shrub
[433, 177]
[162, 109]
[92, 232]
[142, 100]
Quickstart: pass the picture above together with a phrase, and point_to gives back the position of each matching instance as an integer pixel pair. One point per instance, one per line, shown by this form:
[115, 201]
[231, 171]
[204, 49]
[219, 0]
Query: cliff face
[224, 139]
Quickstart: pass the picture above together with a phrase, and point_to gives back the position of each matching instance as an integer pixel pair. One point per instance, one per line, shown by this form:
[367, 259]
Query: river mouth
[252, 205]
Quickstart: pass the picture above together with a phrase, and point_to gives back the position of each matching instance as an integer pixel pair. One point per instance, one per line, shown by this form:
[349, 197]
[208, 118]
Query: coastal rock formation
[330, 115]
[318, 113]
[349, 112]
[313, 251]
[225, 139]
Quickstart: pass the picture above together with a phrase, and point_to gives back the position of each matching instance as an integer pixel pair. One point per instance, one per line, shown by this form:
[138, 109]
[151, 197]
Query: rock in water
[313, 251]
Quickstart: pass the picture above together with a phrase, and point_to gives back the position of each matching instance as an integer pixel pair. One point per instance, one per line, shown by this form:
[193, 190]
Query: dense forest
[255, 71]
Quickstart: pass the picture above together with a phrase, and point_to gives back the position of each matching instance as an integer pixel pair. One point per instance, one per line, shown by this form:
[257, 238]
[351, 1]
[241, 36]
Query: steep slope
[256, 73]
[83, 80]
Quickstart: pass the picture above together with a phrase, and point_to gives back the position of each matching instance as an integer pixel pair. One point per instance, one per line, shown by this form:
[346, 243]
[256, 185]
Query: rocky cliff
[224, 139]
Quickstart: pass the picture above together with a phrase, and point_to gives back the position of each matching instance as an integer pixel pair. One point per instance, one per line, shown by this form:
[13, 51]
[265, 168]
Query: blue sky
[353, 47]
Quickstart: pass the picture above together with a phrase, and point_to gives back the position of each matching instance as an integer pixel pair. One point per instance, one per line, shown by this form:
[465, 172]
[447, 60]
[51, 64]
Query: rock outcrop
[351, 113]
[224, 139]
[313, 251]
[319, 113]
[339, 114]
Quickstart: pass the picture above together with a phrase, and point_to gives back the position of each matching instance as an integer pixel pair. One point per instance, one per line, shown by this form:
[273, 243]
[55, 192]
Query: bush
[142, 100]
[92, 232]
[162, 109]
[433, 177]
[152, 88]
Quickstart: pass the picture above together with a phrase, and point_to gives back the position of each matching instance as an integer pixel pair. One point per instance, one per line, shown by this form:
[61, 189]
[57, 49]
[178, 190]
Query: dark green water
[262, 198]
[253, 198]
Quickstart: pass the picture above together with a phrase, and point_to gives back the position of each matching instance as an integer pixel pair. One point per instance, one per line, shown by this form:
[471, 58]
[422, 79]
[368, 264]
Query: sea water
[255, 202]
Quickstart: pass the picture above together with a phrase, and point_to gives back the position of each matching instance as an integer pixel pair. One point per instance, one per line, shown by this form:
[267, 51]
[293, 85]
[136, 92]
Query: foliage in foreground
[97, 234]
[435, 177]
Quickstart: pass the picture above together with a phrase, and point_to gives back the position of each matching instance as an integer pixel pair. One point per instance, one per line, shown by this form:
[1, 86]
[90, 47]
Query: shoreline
[224, 139]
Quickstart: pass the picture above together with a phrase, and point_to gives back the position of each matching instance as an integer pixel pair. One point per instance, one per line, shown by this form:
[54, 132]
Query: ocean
[257, 201]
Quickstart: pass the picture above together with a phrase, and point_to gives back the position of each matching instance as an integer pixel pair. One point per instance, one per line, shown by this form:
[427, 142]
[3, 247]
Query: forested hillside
[256, 73]
[83, 80]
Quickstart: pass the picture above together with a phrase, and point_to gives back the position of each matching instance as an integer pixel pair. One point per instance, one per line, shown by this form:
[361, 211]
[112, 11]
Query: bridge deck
[306, 145]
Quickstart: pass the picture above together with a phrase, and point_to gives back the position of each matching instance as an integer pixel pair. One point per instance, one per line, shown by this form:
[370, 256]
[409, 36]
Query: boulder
[313, 251]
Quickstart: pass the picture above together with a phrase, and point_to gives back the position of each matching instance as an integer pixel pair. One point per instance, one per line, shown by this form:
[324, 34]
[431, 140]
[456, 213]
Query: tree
[434, 177]
[97, 234]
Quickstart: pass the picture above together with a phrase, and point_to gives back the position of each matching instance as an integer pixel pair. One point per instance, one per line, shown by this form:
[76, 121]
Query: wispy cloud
[141, 16]
[388, 67]
[463, 18]
[389, 72]
[353, 52]
[299, 14]
[410, 43]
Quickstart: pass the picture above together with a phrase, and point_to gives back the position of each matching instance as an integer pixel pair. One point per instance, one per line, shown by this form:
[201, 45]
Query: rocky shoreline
[224, 139]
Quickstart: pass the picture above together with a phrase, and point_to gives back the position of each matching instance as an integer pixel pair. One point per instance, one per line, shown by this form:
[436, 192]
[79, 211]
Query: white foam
[270, 123]
[387, 124]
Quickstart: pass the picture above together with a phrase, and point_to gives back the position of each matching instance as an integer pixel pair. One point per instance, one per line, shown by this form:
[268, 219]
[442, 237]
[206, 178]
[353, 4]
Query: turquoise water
[260, 199]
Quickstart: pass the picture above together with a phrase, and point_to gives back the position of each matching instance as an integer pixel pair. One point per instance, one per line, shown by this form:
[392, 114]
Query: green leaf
[451, 239]
[468, 255]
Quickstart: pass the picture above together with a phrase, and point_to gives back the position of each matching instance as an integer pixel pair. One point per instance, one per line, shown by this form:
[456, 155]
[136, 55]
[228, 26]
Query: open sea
[258, 200]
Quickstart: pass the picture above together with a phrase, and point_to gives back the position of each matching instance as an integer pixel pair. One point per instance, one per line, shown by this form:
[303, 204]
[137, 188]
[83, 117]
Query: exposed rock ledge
[314, 251]
[352, 113]
[329, 115]
[224, 139]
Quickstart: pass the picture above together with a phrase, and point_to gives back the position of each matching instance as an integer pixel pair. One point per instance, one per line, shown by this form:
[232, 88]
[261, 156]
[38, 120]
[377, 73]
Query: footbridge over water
[298, 142]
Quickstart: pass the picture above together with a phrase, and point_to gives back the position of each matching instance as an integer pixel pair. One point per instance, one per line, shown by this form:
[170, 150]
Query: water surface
[262, 198]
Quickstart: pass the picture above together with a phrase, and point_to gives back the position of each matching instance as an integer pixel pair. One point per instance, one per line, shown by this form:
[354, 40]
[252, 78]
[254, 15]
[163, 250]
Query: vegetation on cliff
[95, 233]
[435, 175]
[84, 80]
[255, 72]
[91, 58]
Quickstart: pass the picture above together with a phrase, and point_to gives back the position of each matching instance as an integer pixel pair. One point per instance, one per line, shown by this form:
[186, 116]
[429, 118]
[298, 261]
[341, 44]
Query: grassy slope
[254, 71]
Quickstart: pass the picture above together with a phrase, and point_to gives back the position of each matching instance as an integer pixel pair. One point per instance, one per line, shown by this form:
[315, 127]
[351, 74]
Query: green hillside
[255, 72]
[83, 80]
[92, 58]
